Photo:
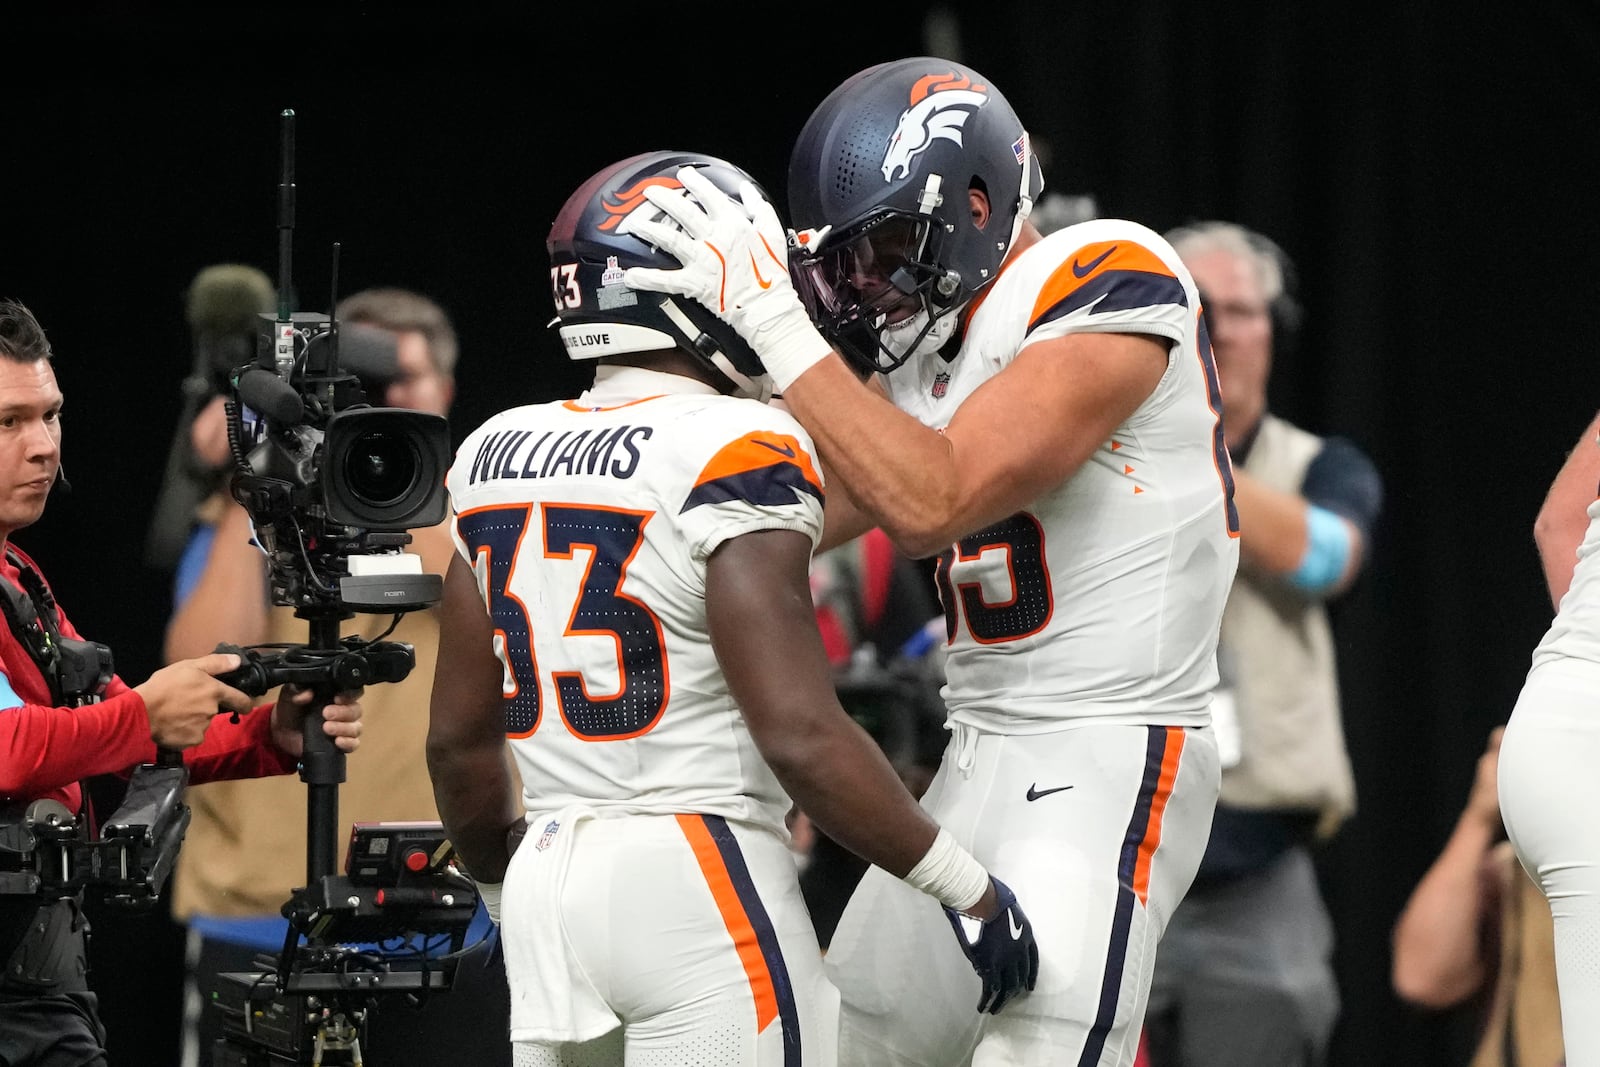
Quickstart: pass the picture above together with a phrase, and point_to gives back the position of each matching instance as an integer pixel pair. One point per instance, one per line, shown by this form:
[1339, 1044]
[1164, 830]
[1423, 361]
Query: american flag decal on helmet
[941, 385]
[1019, 147]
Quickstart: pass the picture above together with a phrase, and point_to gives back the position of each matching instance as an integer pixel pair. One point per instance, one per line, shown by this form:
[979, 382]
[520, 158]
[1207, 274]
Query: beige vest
[246, 844]
[1278, 646]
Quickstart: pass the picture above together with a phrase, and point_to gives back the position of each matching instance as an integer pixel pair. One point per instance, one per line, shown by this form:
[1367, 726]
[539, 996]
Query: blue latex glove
[1001, 950]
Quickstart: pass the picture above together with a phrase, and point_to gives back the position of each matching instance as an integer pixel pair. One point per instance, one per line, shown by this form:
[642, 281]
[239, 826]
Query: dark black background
[1425, 167]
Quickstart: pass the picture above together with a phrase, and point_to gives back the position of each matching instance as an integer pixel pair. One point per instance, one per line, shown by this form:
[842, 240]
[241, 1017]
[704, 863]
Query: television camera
[332, 485]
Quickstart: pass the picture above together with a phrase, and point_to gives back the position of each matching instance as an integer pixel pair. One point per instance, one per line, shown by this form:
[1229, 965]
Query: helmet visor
[869, 272]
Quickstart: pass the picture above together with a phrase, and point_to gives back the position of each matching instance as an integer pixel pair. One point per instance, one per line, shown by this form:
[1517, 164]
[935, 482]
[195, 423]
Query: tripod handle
[321, 761]
[250, 677]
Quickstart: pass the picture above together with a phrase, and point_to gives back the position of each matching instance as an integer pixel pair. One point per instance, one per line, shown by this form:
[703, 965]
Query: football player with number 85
[1042, 414]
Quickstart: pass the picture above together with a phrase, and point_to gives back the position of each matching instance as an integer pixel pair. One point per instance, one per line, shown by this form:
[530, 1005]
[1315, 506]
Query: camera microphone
[270, 396]
[221, 307]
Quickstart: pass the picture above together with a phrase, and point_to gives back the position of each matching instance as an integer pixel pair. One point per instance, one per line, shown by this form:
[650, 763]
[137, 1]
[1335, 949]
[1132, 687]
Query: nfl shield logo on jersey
[941, 383]
[549, 835]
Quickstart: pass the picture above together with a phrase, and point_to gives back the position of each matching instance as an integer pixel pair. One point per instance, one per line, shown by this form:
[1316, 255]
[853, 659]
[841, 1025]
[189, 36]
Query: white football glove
[735, 262]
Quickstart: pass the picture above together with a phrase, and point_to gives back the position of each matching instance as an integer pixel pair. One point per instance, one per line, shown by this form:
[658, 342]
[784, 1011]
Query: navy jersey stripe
[1117, 290]
[766, 936]
[770, 486]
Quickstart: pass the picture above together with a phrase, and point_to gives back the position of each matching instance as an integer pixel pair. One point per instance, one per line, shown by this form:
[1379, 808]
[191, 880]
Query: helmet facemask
[877, 289]
[909, 139]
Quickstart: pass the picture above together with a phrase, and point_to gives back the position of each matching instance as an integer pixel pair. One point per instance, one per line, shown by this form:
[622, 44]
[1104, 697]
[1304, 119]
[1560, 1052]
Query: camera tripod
[393, 924]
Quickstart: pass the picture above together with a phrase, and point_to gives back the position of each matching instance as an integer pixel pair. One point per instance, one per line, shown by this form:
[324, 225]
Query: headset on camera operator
[65, 716]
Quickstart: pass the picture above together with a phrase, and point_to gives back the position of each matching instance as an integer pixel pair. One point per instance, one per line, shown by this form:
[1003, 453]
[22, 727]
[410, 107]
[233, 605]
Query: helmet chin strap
[1030, 164]
[751, 388]
[759, 388]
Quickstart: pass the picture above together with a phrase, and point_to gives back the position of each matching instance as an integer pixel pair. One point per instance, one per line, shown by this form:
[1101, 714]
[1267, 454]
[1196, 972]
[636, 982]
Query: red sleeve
[48, 749]
[45, 748]
[230, 750]
[237, 750]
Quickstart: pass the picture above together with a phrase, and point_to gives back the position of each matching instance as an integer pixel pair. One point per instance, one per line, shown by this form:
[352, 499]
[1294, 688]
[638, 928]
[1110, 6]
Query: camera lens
[381, 467]
[385, 468]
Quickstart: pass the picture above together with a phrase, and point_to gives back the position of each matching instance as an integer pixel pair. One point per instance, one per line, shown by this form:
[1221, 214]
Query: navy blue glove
[1001, 950]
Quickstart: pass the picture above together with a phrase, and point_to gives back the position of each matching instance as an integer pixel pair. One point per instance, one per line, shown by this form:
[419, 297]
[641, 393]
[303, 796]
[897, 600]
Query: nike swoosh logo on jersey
[757, 272]
[787, 451]
[1011, 921]
[1034, 792]
[1085, 270]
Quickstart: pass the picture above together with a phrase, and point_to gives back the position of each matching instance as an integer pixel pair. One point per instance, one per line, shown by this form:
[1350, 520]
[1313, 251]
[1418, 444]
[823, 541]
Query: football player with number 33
[631, 605]
[1043, 416]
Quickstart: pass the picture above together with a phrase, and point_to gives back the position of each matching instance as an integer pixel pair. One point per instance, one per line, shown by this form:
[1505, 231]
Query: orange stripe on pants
[1158, 807]
[734, 917]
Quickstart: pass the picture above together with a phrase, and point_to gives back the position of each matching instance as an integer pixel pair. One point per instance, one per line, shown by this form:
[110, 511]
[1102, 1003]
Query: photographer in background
[246, 845]
[222, 306]
[52, 738]
[1245, 973]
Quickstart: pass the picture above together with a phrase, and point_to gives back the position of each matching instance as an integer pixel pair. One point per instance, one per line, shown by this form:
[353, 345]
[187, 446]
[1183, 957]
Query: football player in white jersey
[1044, 417]
[1551, 746]
[630, 606]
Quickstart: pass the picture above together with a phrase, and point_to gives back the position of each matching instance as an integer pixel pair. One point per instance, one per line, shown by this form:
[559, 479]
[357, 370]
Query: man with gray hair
[1245, 974]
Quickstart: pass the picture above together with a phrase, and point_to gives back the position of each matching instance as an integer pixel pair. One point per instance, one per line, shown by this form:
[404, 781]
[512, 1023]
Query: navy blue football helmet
[592, 242]
[878, 185]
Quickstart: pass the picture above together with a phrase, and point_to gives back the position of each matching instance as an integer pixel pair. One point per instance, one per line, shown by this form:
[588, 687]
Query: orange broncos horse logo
[622, 203]
[940, 105]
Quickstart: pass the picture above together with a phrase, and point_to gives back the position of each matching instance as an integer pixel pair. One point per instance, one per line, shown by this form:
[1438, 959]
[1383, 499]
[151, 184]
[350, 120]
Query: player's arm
[764, 632]
[1026, 430]
[1563, 519]
[842, 519]
[466, 749]
[758, 600]
[1020, 434]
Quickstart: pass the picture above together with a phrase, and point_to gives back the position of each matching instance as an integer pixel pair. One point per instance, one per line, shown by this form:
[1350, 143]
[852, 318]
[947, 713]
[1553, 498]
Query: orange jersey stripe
[1091, 262]
[733, 915]
[755, 451]
[1158, 808]
[573, 405]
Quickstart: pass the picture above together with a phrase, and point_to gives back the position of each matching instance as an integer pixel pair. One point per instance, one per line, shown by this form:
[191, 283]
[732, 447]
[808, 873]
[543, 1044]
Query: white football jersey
[1101, 599]
[589, 524]
[1575, 632]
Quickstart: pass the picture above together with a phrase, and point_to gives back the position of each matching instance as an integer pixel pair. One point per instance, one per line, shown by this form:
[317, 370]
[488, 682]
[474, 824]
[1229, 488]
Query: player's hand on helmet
[1001, 949]
[341, 718]
[735, 262]
[182, 698]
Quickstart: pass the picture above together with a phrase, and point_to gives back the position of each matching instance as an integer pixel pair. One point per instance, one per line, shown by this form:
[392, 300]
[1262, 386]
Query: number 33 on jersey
[589, 536]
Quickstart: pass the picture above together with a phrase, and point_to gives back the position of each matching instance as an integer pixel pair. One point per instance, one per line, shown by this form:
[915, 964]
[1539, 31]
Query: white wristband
[948, 873]
[788, 345]
[489, 893]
